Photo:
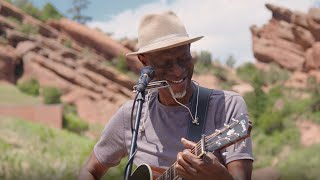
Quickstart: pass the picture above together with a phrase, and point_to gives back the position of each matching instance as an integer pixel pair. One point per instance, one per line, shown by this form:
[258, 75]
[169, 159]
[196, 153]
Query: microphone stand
[140, 100]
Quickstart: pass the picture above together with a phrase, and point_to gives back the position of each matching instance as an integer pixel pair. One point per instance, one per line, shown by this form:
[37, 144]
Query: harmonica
[154, 85]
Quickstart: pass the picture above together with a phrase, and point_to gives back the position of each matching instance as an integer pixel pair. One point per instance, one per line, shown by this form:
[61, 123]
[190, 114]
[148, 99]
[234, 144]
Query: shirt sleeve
[110, 148]
[234, 107]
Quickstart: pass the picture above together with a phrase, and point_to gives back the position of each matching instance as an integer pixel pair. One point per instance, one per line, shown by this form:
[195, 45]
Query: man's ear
[142, 59]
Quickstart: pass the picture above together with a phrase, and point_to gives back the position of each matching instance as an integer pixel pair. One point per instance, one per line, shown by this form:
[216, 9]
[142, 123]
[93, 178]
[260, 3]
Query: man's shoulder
[224, 93]
[225, 96]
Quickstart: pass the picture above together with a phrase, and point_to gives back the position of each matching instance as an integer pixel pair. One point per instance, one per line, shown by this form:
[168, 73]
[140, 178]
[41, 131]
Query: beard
[179, 95]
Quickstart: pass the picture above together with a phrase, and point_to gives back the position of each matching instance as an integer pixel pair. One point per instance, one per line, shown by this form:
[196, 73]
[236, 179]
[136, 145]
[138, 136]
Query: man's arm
[240, 169]
[93, 169]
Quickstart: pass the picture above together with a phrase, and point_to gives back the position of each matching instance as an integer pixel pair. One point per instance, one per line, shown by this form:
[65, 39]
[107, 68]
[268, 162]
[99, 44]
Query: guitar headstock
[231, 133]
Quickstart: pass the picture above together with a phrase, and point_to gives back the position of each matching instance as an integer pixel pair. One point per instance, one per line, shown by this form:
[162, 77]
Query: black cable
[132, 109]
[130, 161]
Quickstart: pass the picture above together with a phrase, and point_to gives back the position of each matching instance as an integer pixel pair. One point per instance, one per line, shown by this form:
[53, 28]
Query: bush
[28, 29]
[302, 164]
[121, 64]
[67, 43]
[30, 87]
[315, 94]
[69, 108]
[267, 147]
[257, 100]
[276, 74]
[220, 72]
[271, 122]
[247, 72]
[203, 64]
[231, 61]
[49, 12]
[74, 123]
[51, 95]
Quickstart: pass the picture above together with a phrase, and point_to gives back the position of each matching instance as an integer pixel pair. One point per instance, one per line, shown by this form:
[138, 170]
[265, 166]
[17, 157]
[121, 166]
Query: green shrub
[51, 95]
[276, 74]
[28, 8]
[219, 72]
[271, 122]
[30, 87]
[28, 29]
[267, 147]
[231, 61]
[69, 108]
[301, 164]
[315, 94]
[49, 12]
[257, 100]
[247, 72]
[205, 58]
[203, 64]
[67, 43]
[14, 20]
[74, 123]
[121, 64]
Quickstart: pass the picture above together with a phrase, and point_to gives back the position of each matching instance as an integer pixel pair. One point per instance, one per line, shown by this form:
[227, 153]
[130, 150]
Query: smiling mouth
[177, 82]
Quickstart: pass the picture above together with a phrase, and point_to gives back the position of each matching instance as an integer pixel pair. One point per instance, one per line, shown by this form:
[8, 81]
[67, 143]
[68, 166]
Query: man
[165, 46]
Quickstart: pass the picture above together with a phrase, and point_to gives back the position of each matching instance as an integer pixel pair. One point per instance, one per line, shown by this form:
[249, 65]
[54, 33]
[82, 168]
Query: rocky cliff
[57, 56]
[290, 39]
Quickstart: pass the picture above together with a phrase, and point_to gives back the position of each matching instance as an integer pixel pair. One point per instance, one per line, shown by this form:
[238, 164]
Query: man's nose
[178, 70]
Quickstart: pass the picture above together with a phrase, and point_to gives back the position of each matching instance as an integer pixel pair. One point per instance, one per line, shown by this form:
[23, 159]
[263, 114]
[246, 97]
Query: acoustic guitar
[237, 130]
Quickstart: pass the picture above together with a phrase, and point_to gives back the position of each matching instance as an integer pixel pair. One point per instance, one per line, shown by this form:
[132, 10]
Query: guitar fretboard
[170, 173]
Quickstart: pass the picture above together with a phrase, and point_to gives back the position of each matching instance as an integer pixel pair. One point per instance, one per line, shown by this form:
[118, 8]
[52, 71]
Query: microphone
[146, 75]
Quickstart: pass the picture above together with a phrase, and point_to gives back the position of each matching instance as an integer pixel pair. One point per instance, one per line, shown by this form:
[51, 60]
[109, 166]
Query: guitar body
[146, 172]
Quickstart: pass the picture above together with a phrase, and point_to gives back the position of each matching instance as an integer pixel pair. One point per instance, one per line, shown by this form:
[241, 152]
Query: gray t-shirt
[164, 126]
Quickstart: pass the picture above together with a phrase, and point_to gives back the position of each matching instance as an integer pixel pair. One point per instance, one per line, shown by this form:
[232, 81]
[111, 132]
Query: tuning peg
[244, 144]
[225, 153]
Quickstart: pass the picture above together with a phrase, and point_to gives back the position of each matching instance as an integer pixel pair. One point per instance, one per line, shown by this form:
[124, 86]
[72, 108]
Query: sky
[225, 24]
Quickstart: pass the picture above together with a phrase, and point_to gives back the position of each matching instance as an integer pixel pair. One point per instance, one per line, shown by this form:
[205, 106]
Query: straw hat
[161, 31]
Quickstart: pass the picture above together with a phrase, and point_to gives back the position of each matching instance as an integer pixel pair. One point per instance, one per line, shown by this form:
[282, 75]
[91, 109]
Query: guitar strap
[195, 131]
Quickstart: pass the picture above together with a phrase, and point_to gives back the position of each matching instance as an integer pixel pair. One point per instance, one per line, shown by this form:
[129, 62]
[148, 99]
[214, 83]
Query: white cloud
[224, 23]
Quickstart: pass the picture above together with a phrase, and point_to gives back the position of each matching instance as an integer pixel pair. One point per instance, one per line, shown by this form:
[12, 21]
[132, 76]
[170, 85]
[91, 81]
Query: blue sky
[99, 10]
[223, 23]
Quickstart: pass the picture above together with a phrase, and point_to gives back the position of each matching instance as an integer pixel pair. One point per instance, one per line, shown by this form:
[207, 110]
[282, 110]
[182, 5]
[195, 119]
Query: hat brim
[162, 45]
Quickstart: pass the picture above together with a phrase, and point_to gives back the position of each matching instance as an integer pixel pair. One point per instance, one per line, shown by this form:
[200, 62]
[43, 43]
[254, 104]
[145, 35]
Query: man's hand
[190, 167]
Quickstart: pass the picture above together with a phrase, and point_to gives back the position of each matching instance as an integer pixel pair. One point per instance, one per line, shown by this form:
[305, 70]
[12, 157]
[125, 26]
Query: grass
[10, 95]
[34, 151]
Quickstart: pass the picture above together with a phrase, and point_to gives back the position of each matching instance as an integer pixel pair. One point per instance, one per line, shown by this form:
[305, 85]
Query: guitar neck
[170, 173]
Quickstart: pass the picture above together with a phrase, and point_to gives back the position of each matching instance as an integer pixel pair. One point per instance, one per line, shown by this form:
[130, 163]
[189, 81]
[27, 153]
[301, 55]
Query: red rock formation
[96, 40]
[290, 39]
[8, 9]
[8, 61]
[96, 90]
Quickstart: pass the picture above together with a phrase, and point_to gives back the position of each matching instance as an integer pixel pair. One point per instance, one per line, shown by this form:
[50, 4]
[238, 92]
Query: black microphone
[146, 75]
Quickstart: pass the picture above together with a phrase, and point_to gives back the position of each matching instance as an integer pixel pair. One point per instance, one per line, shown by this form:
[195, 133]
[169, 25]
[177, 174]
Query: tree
[50, 12]
[28, 7]
[77, 7]
[230, 61]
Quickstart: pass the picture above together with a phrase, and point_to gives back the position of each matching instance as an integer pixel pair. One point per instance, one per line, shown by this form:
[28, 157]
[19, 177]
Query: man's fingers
[185, 166]
[188, 144]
